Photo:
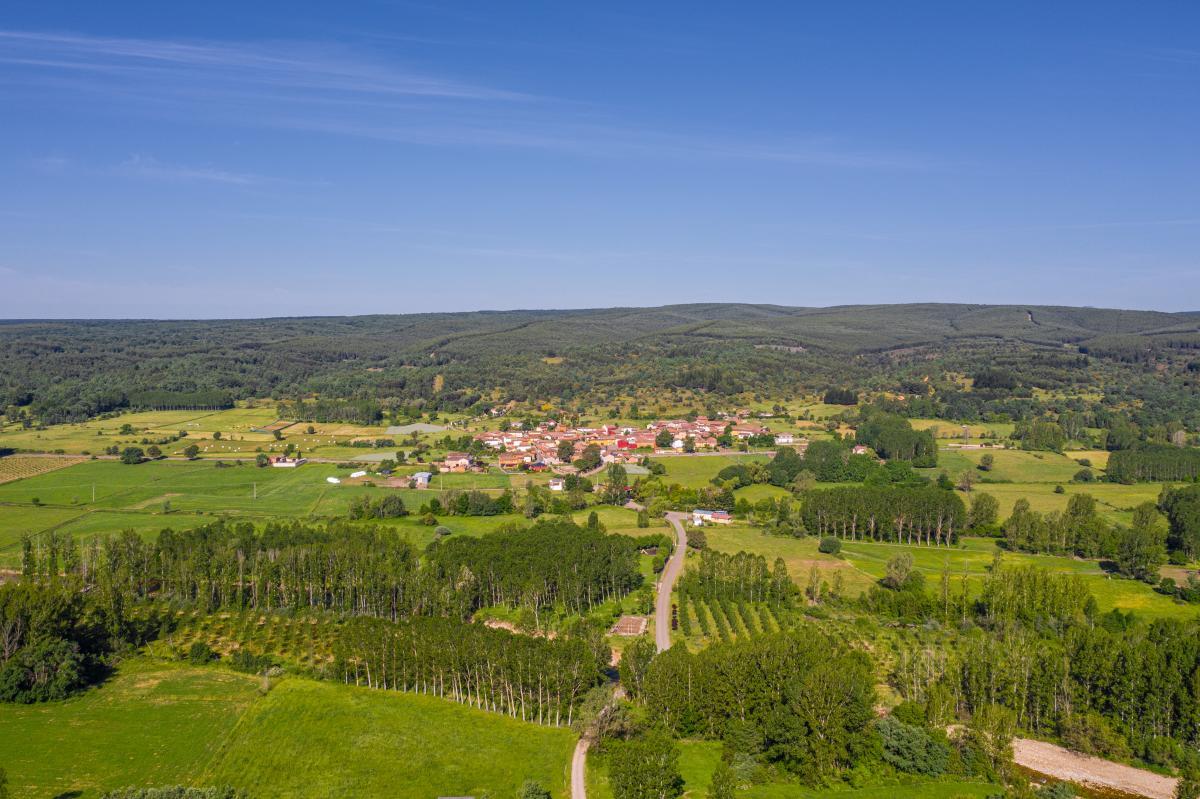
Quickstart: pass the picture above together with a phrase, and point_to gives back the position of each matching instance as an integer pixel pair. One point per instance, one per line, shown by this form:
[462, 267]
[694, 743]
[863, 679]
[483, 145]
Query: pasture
[153, 496]
[697, 471]
[1115, 501]
[1011, 465]
[159, 723]
[237, 428]
[863, 563]
[948, 429]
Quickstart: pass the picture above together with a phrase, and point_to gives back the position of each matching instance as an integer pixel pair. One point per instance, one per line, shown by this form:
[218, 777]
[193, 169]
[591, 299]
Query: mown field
[236, 427]
[698, 471]
[863, 563]
[160, 723]
[150, 497]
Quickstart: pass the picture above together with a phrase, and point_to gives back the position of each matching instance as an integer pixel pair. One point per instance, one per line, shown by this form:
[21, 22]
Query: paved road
[662, 638]
[666, 584]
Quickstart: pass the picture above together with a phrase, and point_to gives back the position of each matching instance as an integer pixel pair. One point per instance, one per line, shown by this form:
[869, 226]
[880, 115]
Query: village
[550, 446]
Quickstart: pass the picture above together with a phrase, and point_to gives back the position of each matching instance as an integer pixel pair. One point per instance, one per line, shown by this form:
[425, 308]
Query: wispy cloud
[143, 166]
[332, 91]
[294, 66]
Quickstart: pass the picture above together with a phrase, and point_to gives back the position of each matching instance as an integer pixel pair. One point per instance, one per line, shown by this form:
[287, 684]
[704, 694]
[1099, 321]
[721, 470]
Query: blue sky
[259, 159]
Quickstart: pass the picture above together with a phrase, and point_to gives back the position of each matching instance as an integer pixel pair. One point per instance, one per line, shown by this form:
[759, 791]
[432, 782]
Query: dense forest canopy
[67, 370]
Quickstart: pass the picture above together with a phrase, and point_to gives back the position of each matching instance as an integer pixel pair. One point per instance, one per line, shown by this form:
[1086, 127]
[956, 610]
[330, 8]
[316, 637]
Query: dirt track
[1063, 764]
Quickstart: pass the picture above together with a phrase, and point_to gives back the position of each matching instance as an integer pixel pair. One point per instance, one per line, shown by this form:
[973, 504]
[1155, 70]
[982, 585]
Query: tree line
[549, 563]
[345, 568]
[527, 677]
[1154, 462]
[930, 516]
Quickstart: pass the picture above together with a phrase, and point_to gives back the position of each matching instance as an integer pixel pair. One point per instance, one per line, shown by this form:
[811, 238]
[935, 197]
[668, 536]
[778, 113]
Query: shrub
[912, 749]
[830, 545]
[200, 653]
[246, 661]
[1093, 734]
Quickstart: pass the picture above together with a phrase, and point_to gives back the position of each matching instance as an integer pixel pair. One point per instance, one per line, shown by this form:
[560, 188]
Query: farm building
[421, 479]
[701, 515]
[557, 484]
[457, 461]
[284, 462]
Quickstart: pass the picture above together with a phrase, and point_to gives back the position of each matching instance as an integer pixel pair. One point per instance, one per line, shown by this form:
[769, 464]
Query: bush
[1084, 476]
[912, 749]
[200, 653]
[532, 789]
[830, 545]
[246, 661]
[1093, 734]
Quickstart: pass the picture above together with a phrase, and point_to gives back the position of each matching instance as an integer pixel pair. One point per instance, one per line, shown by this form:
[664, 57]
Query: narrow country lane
[666, 584]
[662, 638]
[579, 769]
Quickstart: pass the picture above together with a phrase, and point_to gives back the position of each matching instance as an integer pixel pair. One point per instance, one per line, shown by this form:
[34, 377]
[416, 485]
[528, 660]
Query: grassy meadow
[236, 426]
[105, 496]
[159, 723]
[156, 495]
[863, 563]
[698, 471]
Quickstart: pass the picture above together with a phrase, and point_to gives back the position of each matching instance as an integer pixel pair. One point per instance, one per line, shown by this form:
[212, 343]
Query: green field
[1115, 502]
[696, 471]
[947, 429]
[157, 723]
[236, 426]
[863, 563]
[155, 495]
[1012, 465]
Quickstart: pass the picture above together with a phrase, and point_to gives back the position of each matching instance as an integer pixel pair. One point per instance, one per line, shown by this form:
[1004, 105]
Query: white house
[421, 479]
[557, 484]
[785, 438]
[701, 515]
[283, 462]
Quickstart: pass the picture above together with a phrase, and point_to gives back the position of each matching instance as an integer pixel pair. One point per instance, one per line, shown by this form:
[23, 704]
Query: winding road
[662, 638]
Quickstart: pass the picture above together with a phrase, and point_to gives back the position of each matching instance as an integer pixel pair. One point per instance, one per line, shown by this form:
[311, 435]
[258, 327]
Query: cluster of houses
[538, 448]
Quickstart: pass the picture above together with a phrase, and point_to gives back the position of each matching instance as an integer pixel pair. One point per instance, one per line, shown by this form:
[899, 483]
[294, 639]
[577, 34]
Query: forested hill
[66, 369]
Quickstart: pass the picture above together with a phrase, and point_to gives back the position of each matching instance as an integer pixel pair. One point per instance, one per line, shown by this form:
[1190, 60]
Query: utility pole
[93, 493]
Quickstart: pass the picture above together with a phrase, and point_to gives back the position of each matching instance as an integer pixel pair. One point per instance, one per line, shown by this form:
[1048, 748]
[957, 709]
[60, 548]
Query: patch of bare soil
[1063, 764]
